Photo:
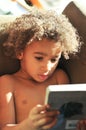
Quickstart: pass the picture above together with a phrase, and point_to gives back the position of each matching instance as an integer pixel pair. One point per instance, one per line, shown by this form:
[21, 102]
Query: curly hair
[39, 24]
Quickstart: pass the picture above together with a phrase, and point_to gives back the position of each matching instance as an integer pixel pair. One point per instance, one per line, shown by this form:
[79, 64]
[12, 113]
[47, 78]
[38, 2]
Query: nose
[46, 67]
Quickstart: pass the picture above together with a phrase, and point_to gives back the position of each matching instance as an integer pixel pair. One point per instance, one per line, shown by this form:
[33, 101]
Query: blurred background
[18, 7]
[15, 7]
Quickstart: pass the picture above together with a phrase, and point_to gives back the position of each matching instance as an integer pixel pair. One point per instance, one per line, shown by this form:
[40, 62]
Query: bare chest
[27, 95]
[26, 99]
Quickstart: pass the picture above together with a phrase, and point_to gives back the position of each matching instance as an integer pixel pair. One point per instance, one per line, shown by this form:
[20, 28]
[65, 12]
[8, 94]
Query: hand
[81, 125]
[42, 119]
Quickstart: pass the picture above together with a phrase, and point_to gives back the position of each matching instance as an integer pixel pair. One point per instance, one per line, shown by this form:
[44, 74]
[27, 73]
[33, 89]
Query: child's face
[40, 58]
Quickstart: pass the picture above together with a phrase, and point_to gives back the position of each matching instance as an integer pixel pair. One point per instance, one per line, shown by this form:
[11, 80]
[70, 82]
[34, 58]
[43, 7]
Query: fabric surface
[76, 68]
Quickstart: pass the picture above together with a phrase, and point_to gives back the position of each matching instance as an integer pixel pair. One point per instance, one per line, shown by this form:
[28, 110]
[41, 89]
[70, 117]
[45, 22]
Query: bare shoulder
[61, 77]
[6, 82]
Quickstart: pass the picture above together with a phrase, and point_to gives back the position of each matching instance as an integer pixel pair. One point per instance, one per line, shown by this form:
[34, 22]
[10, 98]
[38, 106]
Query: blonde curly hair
[38, 24]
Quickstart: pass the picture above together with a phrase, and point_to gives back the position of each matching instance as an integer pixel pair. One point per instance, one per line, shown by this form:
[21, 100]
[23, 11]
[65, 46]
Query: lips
[43, 77]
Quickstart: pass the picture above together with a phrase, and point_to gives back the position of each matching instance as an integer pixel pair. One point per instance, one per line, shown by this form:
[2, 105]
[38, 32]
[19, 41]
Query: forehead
[46, 46]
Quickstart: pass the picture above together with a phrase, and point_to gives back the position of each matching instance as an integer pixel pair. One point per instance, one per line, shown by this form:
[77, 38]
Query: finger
[37, 113]
[51, 114]
[81, 125]
[39, 123]
[39, 109]
[50, 124]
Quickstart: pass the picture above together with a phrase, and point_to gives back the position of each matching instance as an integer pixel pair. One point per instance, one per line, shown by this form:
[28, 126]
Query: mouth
[43, 77]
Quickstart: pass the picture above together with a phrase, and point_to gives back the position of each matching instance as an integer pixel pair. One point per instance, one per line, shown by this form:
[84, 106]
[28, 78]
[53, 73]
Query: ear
[19, 55]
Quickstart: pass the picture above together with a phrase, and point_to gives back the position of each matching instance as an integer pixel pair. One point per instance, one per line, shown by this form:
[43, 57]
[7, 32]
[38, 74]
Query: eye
[39, 58]
[53, 60]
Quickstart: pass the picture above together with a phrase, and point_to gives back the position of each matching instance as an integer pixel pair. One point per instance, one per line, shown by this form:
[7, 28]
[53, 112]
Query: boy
[38, 40]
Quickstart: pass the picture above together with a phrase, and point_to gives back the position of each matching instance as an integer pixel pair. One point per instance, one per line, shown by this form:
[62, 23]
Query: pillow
[76, 68]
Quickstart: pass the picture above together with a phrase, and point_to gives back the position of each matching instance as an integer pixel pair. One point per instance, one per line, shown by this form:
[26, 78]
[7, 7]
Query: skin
[22, 94]
[81, 125]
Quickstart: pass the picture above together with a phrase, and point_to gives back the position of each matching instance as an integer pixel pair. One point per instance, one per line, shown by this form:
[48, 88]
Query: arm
[7, 111]
[7, 107]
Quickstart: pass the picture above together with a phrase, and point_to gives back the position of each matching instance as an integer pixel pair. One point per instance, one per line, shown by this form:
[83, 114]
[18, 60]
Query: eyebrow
[40, 53]
[44, 54]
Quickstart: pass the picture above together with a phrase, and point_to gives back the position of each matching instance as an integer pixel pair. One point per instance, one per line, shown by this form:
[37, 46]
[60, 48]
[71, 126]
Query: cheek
[30, 65]
[55, 65]
[52, 67]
